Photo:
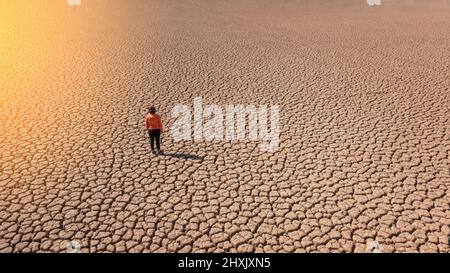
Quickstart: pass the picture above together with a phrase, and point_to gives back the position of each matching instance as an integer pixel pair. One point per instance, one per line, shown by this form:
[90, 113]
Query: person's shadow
[182, 155]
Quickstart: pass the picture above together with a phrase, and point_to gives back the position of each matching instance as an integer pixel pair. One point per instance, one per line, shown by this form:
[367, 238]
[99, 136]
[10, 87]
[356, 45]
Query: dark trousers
[155, 136]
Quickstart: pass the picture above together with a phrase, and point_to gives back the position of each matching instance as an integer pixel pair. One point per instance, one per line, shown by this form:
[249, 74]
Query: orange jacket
[153, 121]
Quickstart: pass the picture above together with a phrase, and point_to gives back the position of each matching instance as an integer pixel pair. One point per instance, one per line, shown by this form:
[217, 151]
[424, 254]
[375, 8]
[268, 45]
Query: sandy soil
[365, 139]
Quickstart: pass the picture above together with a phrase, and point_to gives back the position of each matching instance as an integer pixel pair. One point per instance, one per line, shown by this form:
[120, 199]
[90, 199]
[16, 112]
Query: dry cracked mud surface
[365, 133]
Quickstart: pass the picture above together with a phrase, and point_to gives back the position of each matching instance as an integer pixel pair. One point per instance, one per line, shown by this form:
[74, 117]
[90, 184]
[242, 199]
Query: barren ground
[365, 140]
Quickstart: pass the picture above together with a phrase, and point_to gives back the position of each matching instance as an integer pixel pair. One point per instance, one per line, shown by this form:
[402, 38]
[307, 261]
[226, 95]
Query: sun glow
[22, 41]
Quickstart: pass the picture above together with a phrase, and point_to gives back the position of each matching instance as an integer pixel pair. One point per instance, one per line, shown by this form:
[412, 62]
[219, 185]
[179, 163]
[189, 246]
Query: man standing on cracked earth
[154, 127]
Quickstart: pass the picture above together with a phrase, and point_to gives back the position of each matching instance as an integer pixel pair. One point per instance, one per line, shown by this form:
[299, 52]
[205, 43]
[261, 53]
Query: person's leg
[158, 139]
[152, 139]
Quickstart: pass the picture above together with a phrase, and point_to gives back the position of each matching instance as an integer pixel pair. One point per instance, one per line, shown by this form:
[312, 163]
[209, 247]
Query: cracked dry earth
[364, 153]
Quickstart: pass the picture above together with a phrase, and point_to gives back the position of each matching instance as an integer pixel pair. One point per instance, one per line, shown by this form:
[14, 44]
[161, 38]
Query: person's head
[152, 110]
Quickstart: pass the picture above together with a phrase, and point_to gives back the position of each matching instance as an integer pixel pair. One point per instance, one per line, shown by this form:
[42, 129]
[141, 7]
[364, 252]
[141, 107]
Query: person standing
[154, 127]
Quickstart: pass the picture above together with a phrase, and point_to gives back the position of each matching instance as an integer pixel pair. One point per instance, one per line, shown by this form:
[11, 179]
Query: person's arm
[146, 123]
